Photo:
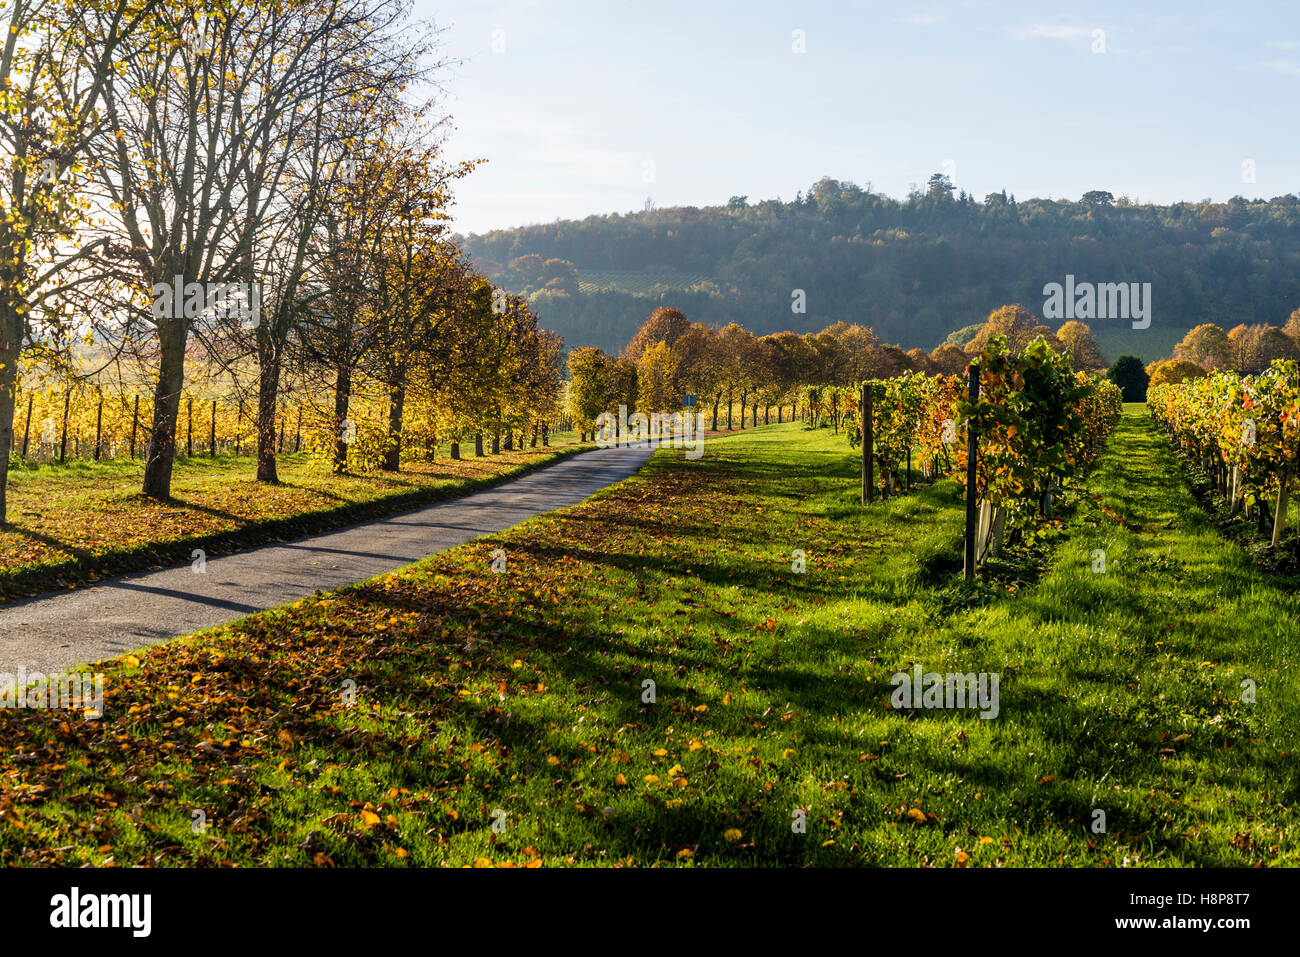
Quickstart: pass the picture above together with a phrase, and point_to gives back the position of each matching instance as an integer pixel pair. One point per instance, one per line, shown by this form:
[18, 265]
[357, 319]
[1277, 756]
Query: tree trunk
[717, 400]
[342, 399]
[161, 454]
[731, 402]
[11, 339]
[268, 388]
[478, 444]
[455, 451]
[744, 401]
[396, 407]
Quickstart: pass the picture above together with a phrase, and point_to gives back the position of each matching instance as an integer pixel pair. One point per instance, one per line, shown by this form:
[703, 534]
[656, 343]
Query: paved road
[57, 631]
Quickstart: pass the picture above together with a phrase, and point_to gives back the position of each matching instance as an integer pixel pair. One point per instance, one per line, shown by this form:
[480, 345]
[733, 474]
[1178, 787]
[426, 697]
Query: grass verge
[519, 699]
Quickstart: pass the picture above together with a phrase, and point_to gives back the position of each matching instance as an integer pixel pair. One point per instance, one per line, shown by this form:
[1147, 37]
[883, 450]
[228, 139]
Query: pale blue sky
[585, 94]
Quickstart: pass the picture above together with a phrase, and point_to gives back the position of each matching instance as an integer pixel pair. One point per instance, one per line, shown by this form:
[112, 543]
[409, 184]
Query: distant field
[637, 281]
[1147, 344]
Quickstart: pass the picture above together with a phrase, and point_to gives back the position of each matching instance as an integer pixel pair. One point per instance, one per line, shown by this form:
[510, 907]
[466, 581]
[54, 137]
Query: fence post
[99, 427]
[135, 424]
[868, 440]
[972, 451]
[297, 435]
[63, 441]
[27, 429]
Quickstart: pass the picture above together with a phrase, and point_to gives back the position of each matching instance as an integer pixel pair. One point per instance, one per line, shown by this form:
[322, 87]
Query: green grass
[1120, 692]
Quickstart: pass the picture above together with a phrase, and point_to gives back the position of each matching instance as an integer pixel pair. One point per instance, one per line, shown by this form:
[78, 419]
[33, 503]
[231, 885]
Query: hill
[914, 269]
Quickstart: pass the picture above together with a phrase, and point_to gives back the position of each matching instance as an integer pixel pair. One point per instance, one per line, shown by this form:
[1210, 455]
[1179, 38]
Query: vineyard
[1037, 424]
[1243, 432]
[84, 421]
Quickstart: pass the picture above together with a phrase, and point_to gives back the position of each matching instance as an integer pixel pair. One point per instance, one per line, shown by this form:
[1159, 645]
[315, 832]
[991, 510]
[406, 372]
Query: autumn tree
[735, 350]
[920, 361]
[588, 386]
[1014, 323]
[413, 303]
[696, 362]
[55, 60]
[1267, 344]
[1078, 342]
[1173, 371]
[193, 155]
[1205, 345]
[832, 363]
[356, 79]
[1292, 327]
[665, 325]
[1239, 339]
[949, 359]
[656, 371]
[857, 355]
[623, 376]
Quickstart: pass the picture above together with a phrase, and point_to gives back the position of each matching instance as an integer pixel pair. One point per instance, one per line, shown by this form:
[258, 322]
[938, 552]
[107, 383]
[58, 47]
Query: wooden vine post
[27, 429]
[868, 440]
[135, 424]
[972, 451]
[99, 428]
[63, 440]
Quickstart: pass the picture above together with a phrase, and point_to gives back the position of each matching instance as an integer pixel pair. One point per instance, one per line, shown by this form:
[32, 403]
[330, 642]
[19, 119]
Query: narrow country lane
[54, 632]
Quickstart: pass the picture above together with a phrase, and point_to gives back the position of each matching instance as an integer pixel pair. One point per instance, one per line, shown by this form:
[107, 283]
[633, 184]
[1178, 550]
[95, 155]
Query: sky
[585, 108]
